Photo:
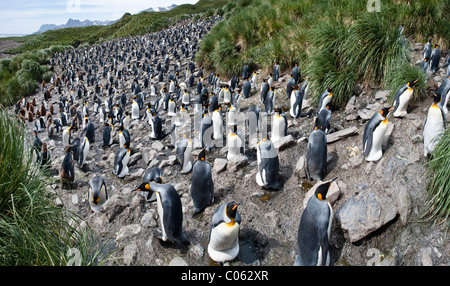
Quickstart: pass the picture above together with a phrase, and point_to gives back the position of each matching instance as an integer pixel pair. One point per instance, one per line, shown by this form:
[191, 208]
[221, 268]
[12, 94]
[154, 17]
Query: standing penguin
[206, 131]
[290, 86]
[324, 117]
[202, 185]
[124, 136]
[134, 110]
[169, 210]
[324, 99]
[97, 193]
[153, 174]
[434, 126]
[268, 165]
[121, 162]
[269, 102]
[296, 103]
[67, 172]
[314, 229]
[157, 131]
[374, 135]
[279, 125]
[83, 151]
[402, 98]
[427, 49]
[218, 127]
[435, 58]
[90, 130]
[316, 154]
[107, 134]
[223, 243]
[184, 149]
[66, 137]
[235, 143]
[444, 92]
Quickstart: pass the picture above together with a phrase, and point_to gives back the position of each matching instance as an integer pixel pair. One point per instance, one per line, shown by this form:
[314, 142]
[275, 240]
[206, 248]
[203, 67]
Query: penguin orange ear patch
[319, 196]
[147, 186]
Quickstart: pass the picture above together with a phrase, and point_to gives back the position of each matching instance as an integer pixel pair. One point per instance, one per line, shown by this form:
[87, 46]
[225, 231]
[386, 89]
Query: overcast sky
[27, 16]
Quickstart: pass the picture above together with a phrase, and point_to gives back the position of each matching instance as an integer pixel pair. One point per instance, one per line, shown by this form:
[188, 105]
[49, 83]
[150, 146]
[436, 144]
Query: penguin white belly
[293, 112]
[278, 125]
[432, 130]
[444, 106]
[261, 174]
[187, 164]
[377, 140]
[234, 145]
[66, 135]
[135, 110]
[171, 109]
[86, 151]
[403, 99]
[224, 242]
[125, 170]
[185, 99]
[227, 96]
[231, 117]
[218, 126]
[161, 216]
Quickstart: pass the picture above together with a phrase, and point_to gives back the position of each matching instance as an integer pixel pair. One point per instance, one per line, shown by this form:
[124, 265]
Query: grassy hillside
[335, 42]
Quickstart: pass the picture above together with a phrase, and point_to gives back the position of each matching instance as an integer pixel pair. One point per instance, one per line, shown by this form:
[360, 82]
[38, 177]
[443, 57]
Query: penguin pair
[97, 193]
[314, 229]
[402, 98]
[223, 241]
[374, 133]
[434, 125]
[169, 210]
[202, 185]
[268, 165]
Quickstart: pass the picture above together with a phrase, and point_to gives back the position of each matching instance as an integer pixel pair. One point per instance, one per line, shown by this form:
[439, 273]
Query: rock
[157, 145]
[128, 231]
[284, 142]
[382, 94]
[148, 219]
[75, 199]
[350, 105]
[169, 162]
[178, 261]
[114, 206]
[220, 165]
[403, 199]
[300, 167]
[134, 159]
[130, 254]
[332, 195]
[356, 161]
[338, 135]
[425, 256]
[366, 212]
[236, 162]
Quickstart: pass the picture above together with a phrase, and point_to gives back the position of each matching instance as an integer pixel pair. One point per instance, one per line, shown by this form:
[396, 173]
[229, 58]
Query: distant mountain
[71, 23]
[160, 9]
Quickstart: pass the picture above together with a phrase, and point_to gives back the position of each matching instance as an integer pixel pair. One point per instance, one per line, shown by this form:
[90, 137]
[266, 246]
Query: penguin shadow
[336, 241]
[332, 161]
[253, 246]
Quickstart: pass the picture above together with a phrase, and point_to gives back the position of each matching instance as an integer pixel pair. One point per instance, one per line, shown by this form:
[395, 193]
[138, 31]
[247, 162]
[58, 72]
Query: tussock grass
[33, 231]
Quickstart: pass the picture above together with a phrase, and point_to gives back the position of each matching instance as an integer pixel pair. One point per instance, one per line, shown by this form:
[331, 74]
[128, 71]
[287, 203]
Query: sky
[27, 16]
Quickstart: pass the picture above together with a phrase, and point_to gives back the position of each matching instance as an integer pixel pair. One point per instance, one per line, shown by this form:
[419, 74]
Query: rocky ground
[5, 45]
[375, 204]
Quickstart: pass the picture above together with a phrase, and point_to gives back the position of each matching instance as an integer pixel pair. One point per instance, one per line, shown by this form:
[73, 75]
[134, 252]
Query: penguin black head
[231, 210]
[143, 187]
[384, 112]
[412, 83]
[436, 46]
[436, 97]
[322, 190]
[202, 155]
[330, 89]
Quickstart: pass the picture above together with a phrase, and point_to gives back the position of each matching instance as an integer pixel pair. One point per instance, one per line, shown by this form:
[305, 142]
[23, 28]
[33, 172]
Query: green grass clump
[33, 231]
[403, 73]
[438, 185]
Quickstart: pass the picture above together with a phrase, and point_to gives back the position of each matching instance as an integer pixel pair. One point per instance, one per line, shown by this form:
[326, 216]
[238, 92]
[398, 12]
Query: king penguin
[83, 151]
[435, 58]
[235, 143]
[206, 131]
[223, 243]
[66, 136]
[434, 126]
[153, 174]
[296, 103]
[134, 110]
[374, 135]
[156, 124]
[107, 134]
[169, 210]
[316, 153]
[279, 125]
[184, 149]
[202, 185]
[314, 229]
[124, 136]
[402, 98]
[97, 193]
[444, 92]
[324, 99]
[427, 49]
[268, 165]
[218, 127]
[121, 162]
[67, 172]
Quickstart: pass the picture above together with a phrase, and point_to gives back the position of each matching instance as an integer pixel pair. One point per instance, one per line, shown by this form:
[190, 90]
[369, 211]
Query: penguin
[37, 144]
[434, 125]
[296, 73]
[427, 49]
[226, 95]
[316, 154]
[235, 143]
[134, 110]
[254, 80]
[89, 130]
[202, 185]
[374, 135]
[156, 124]
[66, 171]
[276, 71]
[153, 174]
[296, 101]
[223, 241]
[124, 136]
[206, 131]
[435, 58]
[172, 108]
[97, 193]
[169, 210]
[183, 152]
[252, 124]
[324, 117]
[402, 98]
[185, 99]
[269, 102]
[45, 156]
[268, 165]
[264, 90]
[314, 229]
[121, 161]
[290, 86]
[66, 136]
[424, 65]
[83, 151]
[126, 120]
[246, 88]
[217, 121]
[279, 125]
[107, 134]
[444, 92]
[324, 99]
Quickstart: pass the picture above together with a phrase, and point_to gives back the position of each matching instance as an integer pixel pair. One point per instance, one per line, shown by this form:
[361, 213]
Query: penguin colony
[200, 113]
